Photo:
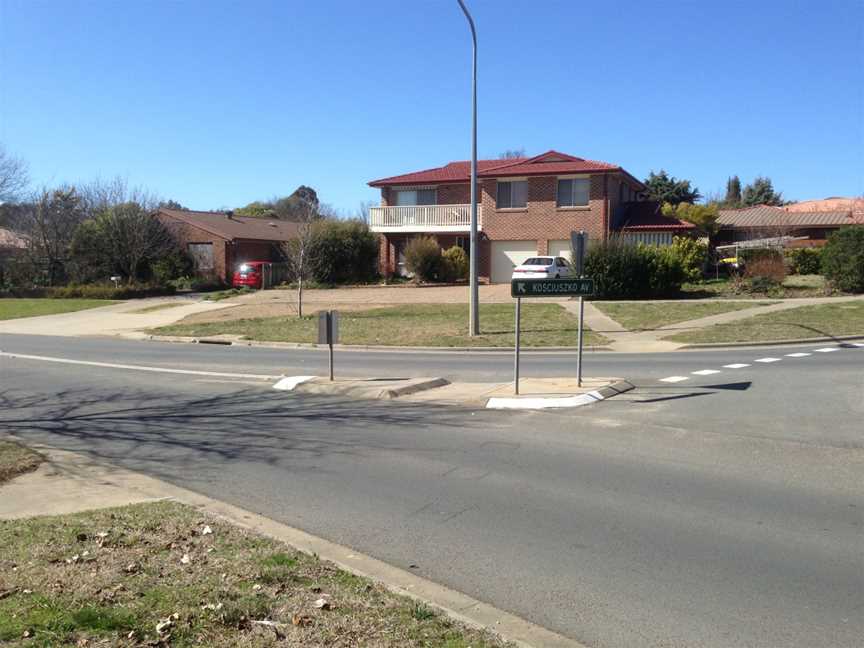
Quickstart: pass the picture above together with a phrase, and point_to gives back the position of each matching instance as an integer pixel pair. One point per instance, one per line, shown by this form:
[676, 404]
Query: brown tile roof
[11, 240]
[235, 227]
[828, 204]
[549, 163]
[647, 215]
[767, 216]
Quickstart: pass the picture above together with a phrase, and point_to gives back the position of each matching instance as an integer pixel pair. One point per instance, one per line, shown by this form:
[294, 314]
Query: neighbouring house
[219, 241]
[834, 204]
[526, 206]
[644, 222]
[804, 228]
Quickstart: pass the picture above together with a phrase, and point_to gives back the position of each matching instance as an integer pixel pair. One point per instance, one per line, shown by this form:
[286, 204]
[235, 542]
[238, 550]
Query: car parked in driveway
[543, 267]
[249, 275]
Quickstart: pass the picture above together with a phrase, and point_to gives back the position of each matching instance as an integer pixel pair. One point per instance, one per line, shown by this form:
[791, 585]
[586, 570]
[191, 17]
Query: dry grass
[441, 325]
[111, 577]
[823, 320]
[16, 460]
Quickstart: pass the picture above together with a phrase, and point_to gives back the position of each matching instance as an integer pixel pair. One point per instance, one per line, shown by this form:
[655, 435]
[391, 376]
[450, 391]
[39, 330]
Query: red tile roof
[549, 163]
[648, 216]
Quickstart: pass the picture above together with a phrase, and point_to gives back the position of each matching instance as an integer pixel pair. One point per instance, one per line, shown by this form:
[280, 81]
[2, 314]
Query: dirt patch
[163, 574]
[16, 460]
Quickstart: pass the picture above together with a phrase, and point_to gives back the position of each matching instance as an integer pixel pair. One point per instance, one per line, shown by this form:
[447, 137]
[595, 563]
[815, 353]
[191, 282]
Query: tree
[256, 209]
[732, 200]
[13, 176]
[363, 211]
[288, 208]
[667, 189]
[512, 154]
[761, 192]
[704, 217]
[125, 239]
[101, 195]
[297, 250]
[48, 225]
[172, 204]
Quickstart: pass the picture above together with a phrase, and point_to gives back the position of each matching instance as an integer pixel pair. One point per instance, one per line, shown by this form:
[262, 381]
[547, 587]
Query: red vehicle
[249, 274]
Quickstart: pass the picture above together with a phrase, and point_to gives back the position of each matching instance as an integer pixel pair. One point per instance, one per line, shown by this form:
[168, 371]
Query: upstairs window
[512, 195]
[412, 197]
[574, 192]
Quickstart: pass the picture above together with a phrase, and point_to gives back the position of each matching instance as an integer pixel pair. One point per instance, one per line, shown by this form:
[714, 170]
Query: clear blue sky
[215, 103]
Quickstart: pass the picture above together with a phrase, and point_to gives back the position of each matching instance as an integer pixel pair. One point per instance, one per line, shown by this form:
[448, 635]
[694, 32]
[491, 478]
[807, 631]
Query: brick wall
[185, 234]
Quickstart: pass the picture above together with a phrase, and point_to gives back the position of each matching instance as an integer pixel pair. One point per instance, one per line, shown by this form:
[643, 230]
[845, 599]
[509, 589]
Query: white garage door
[506, 255]
[561, 248]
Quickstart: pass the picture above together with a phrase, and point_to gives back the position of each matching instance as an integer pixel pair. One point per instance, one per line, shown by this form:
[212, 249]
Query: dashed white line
[827, 350]
[674, 379]
[767, 360]
[858, 344]
[705, 372]
[797, 355]
[736, 365]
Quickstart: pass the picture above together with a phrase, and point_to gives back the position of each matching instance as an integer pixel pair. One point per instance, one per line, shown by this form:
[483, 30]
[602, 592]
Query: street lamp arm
[470, 21]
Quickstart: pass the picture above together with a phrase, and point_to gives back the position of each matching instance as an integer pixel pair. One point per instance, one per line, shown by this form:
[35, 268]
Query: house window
[512, 195]
[464, 242]
[202, 256]
[412, 197]
[574, 192]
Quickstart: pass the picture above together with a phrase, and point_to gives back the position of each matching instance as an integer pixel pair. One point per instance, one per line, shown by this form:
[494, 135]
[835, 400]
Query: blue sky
[216, 103]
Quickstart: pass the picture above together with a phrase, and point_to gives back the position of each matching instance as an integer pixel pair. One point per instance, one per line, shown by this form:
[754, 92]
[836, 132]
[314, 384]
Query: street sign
[578, 243]
[551, 287]
[328, 332]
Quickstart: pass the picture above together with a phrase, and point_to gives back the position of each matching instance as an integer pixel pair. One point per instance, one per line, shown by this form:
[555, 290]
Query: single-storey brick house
[526, 206]
[220, 241]
[765, 221]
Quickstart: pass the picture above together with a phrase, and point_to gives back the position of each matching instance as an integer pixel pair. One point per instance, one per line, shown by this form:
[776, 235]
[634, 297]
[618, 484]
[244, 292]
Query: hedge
[843, 259]
[91, 291]
[621, 269]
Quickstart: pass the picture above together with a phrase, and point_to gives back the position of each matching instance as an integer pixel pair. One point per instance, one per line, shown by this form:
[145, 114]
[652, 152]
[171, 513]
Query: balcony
[423, 218]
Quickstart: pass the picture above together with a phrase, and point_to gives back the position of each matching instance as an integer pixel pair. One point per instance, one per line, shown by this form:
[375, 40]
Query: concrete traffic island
[535, 393]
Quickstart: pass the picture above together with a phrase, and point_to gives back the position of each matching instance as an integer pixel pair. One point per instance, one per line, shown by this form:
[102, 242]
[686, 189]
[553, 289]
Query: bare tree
[125, 238]
[512, 154]
[48, 226]
[13, 176]
[363, 210]
[297, 251]
[100, 195]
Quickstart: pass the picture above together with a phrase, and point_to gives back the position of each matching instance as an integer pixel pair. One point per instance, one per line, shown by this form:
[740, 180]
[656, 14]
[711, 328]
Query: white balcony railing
[423, 218]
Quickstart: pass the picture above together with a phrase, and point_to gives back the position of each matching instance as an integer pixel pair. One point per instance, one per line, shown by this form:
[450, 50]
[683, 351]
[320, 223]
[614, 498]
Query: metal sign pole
[579, 356]
[516, 358]
[330, 340]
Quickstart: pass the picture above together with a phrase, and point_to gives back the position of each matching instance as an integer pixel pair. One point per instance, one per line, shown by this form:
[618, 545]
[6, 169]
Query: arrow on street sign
[551, 287]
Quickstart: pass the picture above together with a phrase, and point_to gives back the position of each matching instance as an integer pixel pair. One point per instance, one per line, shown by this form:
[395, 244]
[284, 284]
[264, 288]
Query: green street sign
[551, 287]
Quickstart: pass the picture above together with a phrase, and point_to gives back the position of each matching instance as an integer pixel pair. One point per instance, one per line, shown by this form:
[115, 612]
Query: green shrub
[343, 252]
[172, 266]
[803, 260]
[843, 259]
[454, 264]
[91, 291]
[692, 254]
[621, 269]
[761, 284]
[423, 258]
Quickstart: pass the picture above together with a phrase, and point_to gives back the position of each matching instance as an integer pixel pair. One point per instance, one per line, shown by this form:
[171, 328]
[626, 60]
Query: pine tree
[733, 193]
[761, 192]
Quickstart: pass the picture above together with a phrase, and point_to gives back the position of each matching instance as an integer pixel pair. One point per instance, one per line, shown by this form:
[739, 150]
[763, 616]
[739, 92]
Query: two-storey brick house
[526, 206]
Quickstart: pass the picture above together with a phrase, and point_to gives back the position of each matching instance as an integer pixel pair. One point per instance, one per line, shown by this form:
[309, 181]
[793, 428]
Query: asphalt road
[724, 510]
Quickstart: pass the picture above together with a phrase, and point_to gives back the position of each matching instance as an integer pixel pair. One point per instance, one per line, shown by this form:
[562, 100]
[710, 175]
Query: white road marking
[674, 379]
[858, 344]
[705, 372]
[111, 365]
[766, 360]
[797, 355]
[544, 403]
[737, 365]
[827, 350]
[290, 382]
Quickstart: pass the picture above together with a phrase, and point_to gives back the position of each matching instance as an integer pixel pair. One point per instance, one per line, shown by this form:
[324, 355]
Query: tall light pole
[474, 300]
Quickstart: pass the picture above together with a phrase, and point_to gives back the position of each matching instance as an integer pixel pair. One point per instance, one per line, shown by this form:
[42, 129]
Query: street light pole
[474, 305]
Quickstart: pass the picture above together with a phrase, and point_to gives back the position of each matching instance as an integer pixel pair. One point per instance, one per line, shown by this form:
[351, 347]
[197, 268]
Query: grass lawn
[14, 308]
[16, 460]
[842, 318]
[651, 315]
[793, 286]
[164, 574]
[440, 325]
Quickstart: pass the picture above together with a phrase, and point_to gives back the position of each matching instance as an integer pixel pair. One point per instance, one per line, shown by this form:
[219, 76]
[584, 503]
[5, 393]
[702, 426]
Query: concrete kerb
[816, 340]
[353, 347]
[461, 607]
[374, 388]
[555, 402]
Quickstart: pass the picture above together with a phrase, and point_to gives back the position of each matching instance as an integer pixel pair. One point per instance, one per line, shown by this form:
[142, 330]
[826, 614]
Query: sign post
[516, 360]
[328, 332]
[520, 288]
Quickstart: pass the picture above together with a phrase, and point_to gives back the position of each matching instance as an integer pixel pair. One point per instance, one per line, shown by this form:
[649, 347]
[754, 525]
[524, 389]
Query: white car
[543, 267]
